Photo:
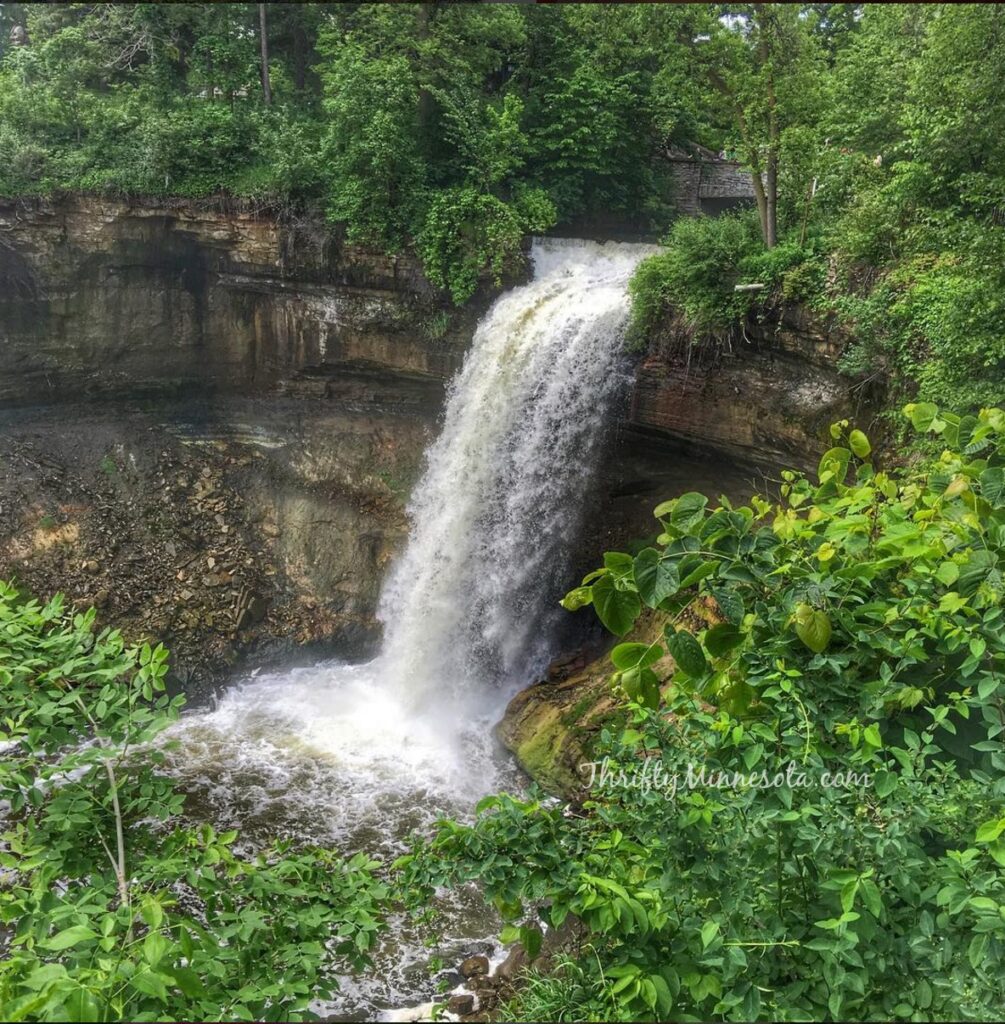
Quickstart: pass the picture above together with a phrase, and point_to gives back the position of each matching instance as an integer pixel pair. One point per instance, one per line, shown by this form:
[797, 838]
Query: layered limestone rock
[769, 397]
[104, 297]
[303, 376]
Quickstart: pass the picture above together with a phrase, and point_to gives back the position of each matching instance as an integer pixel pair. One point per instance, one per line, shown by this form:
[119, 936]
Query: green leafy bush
[111, 909]
[693, 278]
[468, 233]
[800, 814]
[936, 325]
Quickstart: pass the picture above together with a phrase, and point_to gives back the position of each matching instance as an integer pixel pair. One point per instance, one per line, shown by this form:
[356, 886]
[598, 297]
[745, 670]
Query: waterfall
[373, 749]
[359, 756]
[472, 599]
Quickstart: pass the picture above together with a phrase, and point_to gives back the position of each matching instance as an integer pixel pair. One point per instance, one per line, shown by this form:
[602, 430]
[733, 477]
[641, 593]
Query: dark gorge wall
[210, 421]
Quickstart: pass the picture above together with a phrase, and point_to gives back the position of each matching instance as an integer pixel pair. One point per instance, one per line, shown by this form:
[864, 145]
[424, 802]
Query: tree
[766, 66]
[264, 41]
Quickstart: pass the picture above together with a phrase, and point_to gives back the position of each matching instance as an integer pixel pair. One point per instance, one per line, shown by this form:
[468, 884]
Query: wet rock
[488, 999]
[448, 980]
[461, 1004]
[513, 965]
[474, 965]
[251, 609]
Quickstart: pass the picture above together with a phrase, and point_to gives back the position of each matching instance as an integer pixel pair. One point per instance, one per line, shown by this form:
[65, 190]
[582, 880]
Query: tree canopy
[872, 135]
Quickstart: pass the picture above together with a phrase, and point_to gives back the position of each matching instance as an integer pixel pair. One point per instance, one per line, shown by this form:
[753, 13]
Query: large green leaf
[655, 577]
[922, 415]
[642, 685]
[687, 653]
[835, 461]
[721, 639]
[618, 563]
[859, 444]
[993, 485]
[813, 627]
[68, 937]
[683, 513]
[730, 604]
[577, 599]
[696, 573]
[631, 655]
[975, 571]
[617, 609]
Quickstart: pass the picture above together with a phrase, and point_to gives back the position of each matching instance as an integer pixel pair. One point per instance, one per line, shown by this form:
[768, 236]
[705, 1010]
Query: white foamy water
[362, 755]
[468, 607]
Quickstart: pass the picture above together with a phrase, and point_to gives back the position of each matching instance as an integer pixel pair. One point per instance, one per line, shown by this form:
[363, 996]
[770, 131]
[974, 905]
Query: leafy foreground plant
[718, 871]
[111, 910]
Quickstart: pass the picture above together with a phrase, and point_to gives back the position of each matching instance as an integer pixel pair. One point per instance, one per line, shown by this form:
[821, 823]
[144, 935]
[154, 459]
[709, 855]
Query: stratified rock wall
[152, 350]
[107, 298]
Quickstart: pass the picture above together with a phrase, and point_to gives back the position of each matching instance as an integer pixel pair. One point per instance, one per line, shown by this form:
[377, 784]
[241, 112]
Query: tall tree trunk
[264, 39]
[770, 224]
[758, 178]
[299, 51]
[771, 175]
[768, 32]
[427, 11]
[765, 208]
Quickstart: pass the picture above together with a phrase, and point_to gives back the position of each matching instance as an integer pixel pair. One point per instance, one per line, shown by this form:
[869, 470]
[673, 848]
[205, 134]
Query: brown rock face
[231, 530]
[211, 419]
[461, 1004]
[105, 297]
[770, 398]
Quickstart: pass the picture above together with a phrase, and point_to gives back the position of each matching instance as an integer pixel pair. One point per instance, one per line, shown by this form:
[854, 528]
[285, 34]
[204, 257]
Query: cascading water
[496, 512]
[361, 755]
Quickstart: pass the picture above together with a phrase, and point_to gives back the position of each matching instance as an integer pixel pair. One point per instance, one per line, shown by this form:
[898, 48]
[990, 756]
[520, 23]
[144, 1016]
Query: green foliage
[371, 148]
[468, 233]
[112, 910]
[693, 277]
[587, 143]
[399, 121]
[884, 135]
[804, 818]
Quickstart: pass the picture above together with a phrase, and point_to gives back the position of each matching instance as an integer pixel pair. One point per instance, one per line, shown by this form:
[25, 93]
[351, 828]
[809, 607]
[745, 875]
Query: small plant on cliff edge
[692, 278]
[110, 910]
[801, 816]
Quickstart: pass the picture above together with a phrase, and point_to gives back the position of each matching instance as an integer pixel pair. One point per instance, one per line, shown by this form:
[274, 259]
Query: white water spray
[471, 602]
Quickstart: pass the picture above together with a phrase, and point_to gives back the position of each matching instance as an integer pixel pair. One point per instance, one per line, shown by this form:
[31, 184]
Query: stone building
[707, 183]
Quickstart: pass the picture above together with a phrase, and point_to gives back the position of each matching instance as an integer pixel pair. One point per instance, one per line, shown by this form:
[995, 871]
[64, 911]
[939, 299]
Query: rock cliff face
[770, 398]
[104, 298]
[210, 420]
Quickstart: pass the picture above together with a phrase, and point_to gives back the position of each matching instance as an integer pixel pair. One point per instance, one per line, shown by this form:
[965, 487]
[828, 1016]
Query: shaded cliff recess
[211, 419]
